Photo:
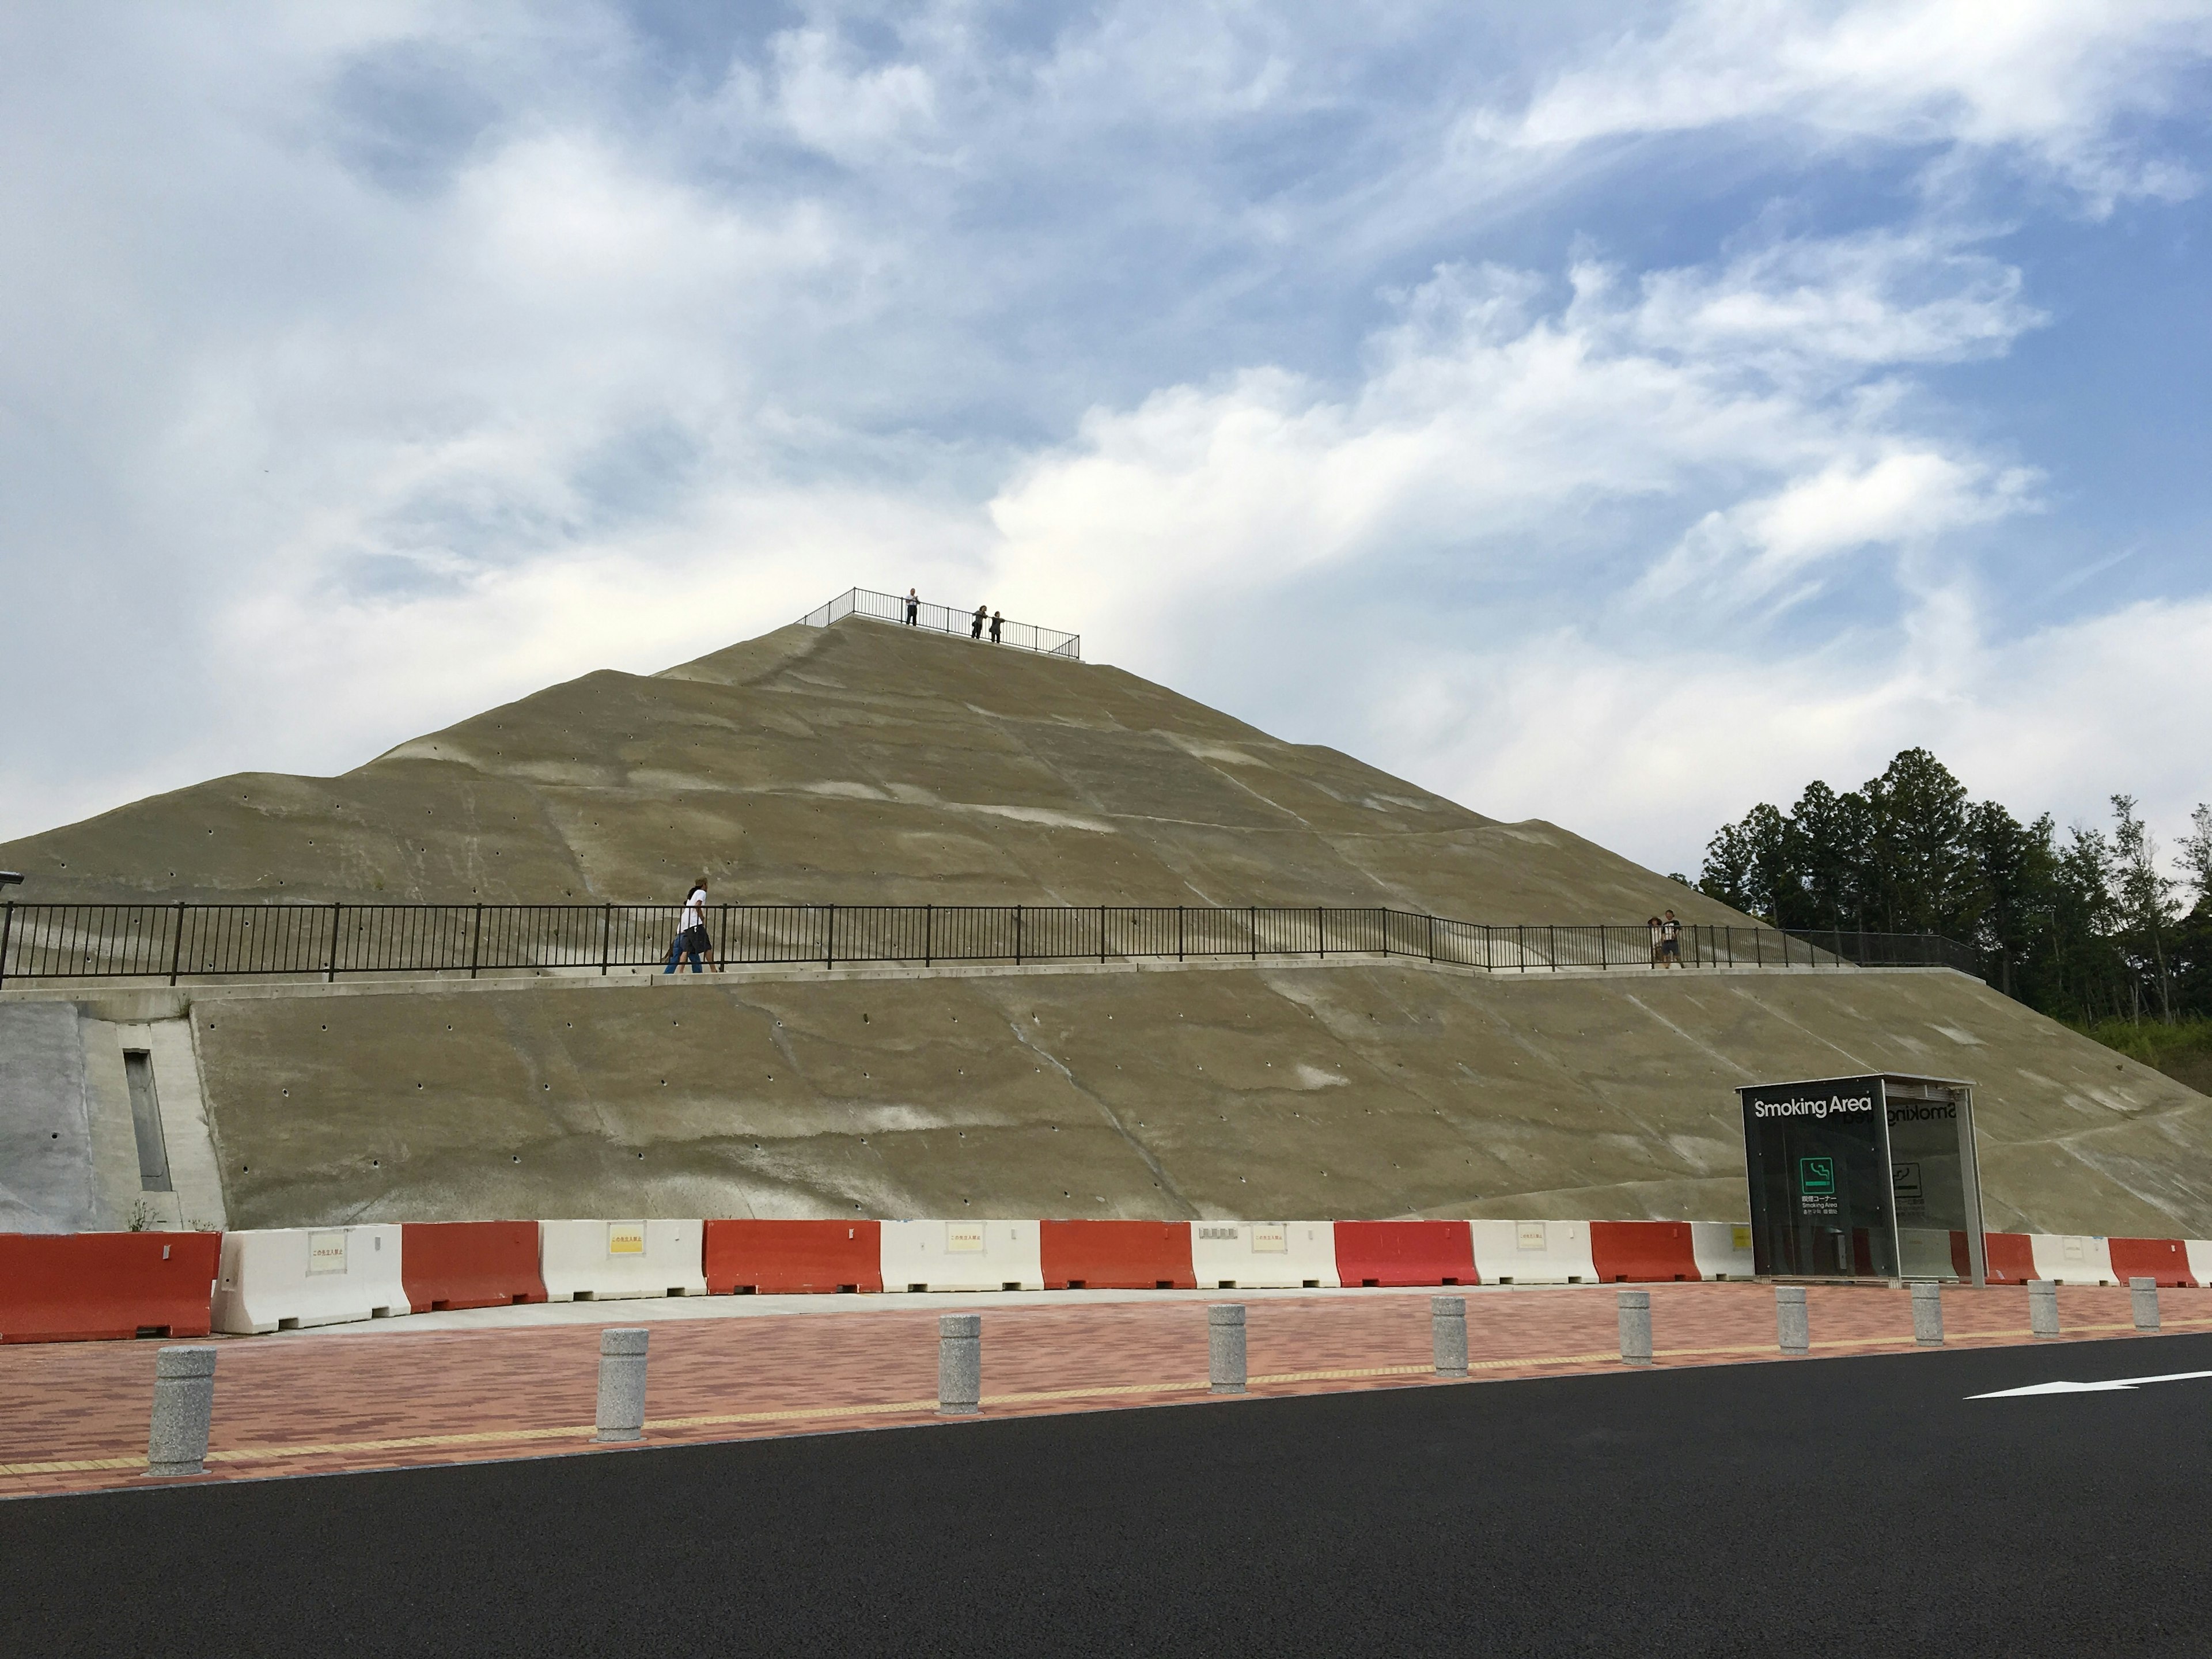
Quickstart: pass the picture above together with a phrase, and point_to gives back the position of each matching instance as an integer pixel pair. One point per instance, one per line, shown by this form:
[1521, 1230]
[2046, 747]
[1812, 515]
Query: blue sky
[1616, 414]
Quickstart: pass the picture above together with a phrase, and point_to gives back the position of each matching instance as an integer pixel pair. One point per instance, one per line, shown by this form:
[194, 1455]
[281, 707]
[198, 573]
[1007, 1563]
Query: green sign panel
[1816, 1175]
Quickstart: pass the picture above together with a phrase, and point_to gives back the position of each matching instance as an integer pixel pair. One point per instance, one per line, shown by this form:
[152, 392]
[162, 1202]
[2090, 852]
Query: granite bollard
[1928, 1314]
[959, 1364]
[2043, 1306]
[1636, 1327]
[1225, 1347]
[184, 1406]
[622, 1386]
[2143, 1294]
[1447, 1333]
[1793, 1324]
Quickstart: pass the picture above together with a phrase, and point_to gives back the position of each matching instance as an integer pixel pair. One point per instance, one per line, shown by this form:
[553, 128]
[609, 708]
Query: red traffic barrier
[96, 1287]
[1115, 1255]
[1405, 1252]
[469, 1264]
[2165, 1259]
[792, 1258]
[1640, 1252]
[2011, 1258]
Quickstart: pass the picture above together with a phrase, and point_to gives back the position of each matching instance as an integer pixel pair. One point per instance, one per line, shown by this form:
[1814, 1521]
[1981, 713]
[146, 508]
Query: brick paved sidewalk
[75, 1415]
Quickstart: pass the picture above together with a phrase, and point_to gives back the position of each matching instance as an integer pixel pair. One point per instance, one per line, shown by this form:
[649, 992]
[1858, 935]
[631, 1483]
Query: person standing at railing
[692, 938]
[912, 606]
[1658, 939]
[1670, 941]
[976, 631]
[997, 623]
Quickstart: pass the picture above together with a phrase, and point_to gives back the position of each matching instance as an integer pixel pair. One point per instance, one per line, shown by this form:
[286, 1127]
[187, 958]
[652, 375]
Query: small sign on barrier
[964, 1235]
[1271, 1237]
[625, 1238]
[326, 1253]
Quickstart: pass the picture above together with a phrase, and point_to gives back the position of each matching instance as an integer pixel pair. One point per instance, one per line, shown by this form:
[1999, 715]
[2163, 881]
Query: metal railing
[185, 941]
[945, 619]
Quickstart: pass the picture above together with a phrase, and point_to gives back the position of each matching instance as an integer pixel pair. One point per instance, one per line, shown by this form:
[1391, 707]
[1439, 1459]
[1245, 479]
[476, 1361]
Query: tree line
[2086, 924]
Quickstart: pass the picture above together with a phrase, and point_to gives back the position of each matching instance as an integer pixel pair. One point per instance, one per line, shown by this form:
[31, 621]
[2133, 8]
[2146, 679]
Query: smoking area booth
[1863, 1177]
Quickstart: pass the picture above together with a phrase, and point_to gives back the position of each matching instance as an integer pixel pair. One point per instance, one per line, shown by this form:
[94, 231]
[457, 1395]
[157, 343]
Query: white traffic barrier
[291, 1278]
[1722, 1249]
[2072, 1259]
[620, 1261]
[2200, 1259]
[1533, 1253]
[962, 1255]
[1262, 1256]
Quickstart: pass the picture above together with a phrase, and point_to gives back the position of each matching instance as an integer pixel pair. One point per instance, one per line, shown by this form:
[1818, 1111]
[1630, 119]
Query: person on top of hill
[912, 606]
[1670, 941]
[997, 623]
[1658, 938]
[976, 632]
[692, 939]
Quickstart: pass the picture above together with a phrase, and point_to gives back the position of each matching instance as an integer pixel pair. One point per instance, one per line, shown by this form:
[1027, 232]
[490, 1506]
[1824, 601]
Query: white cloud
[2048, 80]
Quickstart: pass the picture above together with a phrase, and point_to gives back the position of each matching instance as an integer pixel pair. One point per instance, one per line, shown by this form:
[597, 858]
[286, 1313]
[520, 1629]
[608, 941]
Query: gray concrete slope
[1376, 1090]
[856, 763]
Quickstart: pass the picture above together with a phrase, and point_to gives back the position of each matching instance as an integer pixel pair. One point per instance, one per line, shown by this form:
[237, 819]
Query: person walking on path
[976, 632]
[692, 938]
[997, 623]
[1670, 941]
[1658, 939]
[912, 606]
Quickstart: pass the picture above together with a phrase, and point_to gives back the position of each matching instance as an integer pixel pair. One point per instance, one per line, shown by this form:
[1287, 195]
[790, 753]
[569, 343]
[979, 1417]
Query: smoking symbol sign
[1816, 1175]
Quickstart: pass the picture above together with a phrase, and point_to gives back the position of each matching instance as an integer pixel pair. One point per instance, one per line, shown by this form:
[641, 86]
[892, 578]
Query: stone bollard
[1928, 1315]
[2144, 1293]
[1447, 1333]
[184, 1404]
[1225, 1347]
[1636, 1327]
[959, 1364]
[2043, 1306]
[1793, 1325]
[621, 1385]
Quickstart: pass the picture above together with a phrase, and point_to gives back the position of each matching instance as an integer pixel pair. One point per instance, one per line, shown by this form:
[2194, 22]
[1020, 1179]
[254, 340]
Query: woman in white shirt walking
[692, 938]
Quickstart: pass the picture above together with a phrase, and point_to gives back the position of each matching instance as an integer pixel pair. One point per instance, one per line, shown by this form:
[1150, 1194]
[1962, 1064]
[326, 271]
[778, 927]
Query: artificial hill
[864, 763]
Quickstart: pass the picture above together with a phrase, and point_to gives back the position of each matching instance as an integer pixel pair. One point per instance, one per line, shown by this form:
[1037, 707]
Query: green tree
[2142, 900]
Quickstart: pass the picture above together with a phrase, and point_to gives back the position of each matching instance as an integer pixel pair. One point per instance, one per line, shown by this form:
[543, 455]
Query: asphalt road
[1858, 1506]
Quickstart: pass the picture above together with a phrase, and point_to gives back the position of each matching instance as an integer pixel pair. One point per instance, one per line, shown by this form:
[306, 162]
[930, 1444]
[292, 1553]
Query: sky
[1616, 415]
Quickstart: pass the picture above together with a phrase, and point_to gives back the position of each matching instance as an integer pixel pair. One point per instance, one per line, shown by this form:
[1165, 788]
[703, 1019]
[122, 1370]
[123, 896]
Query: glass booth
[1863, 1177]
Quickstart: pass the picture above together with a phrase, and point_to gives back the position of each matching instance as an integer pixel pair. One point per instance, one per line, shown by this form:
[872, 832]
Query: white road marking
[2118, 1382]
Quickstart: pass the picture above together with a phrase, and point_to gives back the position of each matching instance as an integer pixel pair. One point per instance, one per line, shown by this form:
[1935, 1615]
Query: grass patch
[2182, 1050]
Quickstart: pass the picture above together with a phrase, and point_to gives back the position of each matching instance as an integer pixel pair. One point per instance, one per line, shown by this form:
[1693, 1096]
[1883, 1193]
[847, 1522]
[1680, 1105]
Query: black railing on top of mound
[181, 941]
[946, 619]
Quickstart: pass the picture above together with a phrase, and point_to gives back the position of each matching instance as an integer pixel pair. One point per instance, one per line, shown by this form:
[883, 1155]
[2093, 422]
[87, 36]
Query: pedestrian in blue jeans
[692, 929]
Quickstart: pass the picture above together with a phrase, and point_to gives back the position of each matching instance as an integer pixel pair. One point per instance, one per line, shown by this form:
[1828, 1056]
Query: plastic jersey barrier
[1722, 1249]
[1642, 1252]
[291, 1278]
[2165, 1259]
[792, 1258]
[469, 1264]
[2199, 1251]
[2010, 1256]
[620, 1261]
[1533, 1252]
[1264, 1256]
[1405, 1252]
[93, 1287]
[1115, 1255]
[962, 1255]
[2071, 1259]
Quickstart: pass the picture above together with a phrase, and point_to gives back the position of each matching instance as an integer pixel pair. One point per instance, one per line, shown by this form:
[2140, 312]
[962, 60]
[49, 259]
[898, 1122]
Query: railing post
[475, 940]
[830, 940]
[1018, 936]
[1102, 935]
[1178, 932]
[176, 945]
[928, 933]
[332, 977]
[1321, 928]
[606, 934]
[7, 928]
[1252, 920]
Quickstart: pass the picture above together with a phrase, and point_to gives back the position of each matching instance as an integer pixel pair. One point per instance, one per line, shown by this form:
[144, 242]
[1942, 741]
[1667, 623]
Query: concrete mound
[864, 763]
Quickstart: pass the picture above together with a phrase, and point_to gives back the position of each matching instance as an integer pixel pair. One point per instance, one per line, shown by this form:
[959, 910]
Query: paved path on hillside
[1848, 1506]
[76, 1413]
